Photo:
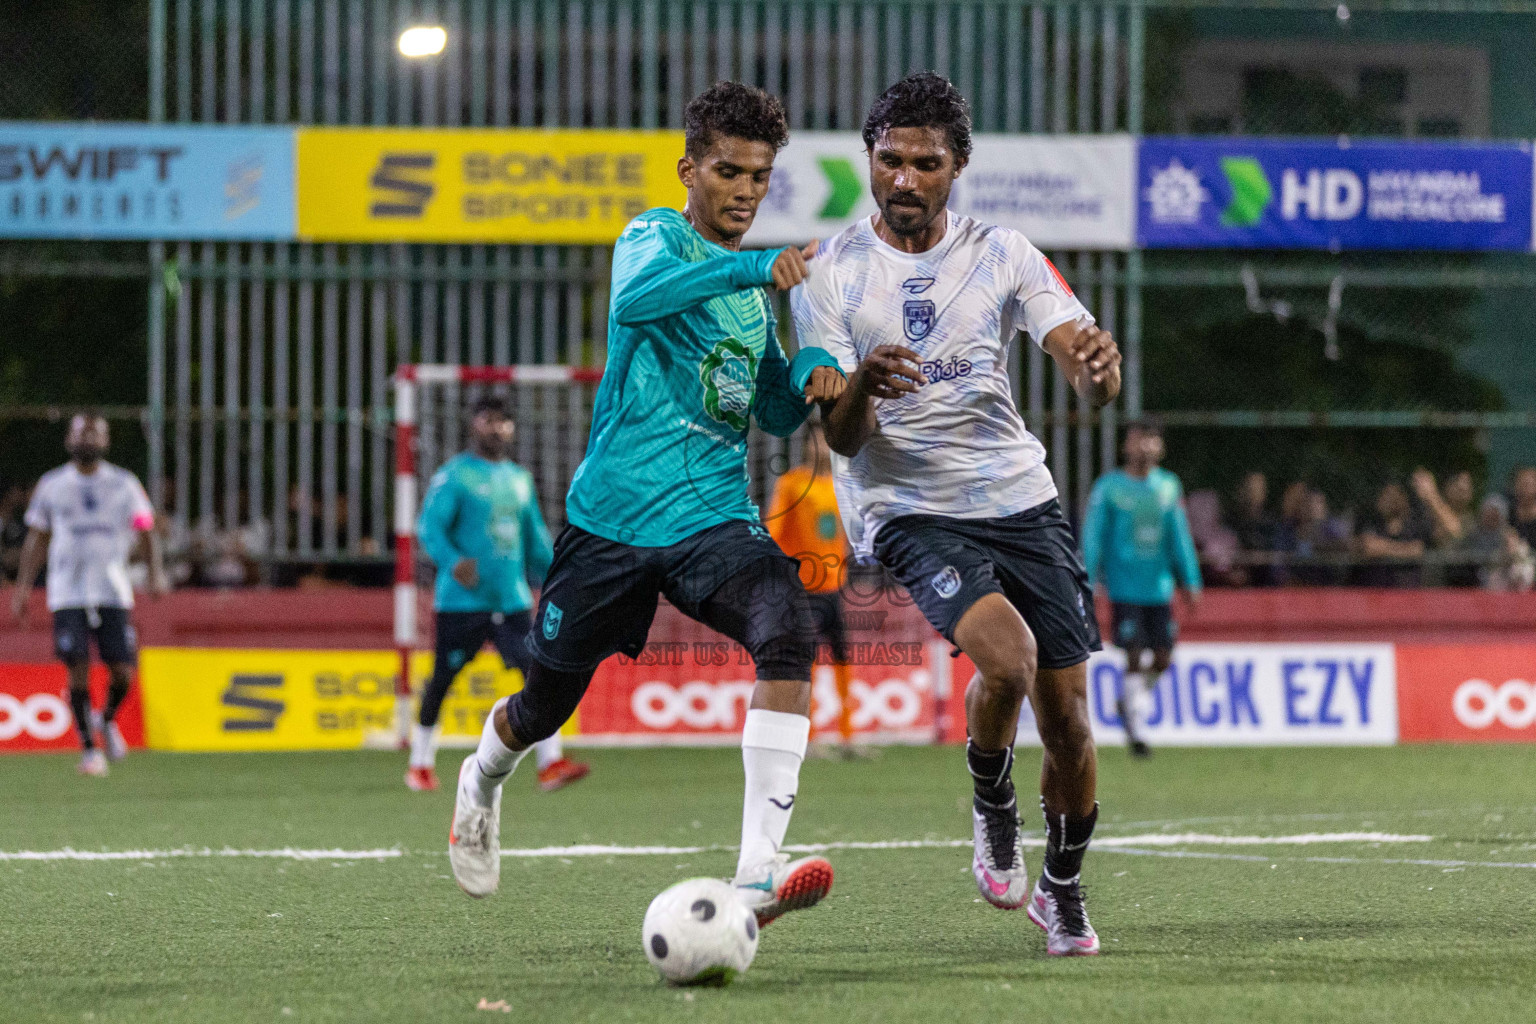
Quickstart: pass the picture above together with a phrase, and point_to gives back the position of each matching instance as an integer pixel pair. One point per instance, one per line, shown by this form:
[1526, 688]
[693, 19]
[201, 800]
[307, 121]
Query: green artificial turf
[1214, 933]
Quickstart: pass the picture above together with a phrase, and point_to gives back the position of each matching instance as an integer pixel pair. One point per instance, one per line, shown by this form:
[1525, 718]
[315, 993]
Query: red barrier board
[34, 709]
[1482, 693]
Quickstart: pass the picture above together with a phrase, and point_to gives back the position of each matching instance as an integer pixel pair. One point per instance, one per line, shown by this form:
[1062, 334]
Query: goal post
[410, 380]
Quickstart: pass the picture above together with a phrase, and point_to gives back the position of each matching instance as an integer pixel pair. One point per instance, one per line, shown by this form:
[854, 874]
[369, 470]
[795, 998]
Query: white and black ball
[699, 932]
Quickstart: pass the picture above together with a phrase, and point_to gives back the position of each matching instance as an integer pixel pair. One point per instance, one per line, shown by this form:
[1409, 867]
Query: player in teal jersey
[1136, 541]
[481, 524]
[660, 505]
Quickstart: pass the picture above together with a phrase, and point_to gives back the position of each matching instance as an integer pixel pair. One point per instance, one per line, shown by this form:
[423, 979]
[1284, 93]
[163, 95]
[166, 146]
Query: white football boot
[781, 885]
[999, 854]
[1060, 910]
[474, 840]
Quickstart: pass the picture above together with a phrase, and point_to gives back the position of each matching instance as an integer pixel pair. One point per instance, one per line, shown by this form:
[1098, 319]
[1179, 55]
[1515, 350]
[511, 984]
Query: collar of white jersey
[939, 248]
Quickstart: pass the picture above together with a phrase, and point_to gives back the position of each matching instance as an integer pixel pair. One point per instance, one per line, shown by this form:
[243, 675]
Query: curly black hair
[922, 100]
[737, 111]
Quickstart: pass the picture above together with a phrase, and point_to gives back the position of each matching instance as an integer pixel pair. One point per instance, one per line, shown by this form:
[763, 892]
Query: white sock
[423, 745]
[1139, 699]
[772, 747]
[547, 752]
[493, 762]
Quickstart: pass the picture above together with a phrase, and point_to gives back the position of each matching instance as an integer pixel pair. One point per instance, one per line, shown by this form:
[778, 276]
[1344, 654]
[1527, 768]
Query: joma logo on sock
[789, 802]
[253, 694]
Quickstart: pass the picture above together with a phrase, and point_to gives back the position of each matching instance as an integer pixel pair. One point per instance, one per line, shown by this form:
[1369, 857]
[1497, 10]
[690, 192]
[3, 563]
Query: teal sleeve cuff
[755, 269]
[806, 360]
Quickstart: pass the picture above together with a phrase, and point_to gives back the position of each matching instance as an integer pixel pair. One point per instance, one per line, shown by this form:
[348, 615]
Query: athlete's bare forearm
[850, 421]
[34, 550]
[1090, 359]
[890, 371]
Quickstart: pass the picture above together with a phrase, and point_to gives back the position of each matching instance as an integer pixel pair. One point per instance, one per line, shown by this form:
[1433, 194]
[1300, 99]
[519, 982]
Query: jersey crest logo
[916, 285]
[947, 583]
[552, 617]
[917, 316]
[729, 376]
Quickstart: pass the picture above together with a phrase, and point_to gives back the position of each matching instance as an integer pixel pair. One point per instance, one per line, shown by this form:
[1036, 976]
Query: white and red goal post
[409, 380]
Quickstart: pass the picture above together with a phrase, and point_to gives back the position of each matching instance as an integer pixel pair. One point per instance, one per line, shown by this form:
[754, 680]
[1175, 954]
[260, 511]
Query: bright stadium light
[423, 41]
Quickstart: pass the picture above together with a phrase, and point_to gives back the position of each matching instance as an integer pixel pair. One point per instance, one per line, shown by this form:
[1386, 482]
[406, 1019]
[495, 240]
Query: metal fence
[269, 363]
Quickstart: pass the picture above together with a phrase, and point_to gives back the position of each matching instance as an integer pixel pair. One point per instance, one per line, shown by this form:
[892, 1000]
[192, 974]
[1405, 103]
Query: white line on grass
[598, 850]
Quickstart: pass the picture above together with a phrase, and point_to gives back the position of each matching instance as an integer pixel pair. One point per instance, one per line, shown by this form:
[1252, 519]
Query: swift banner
[478, 185]
[1060, 192]
[1282, 194]
[145, 181]
[225, 699]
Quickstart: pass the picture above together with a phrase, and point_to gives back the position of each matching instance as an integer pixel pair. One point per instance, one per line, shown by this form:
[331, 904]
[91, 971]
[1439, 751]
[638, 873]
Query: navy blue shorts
[600, 596]
[1144, 627]
[1030, 558]
[75, 628]
[460, 635]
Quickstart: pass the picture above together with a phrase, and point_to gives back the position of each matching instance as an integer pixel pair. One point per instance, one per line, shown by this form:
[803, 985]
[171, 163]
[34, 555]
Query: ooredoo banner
[34, 709]
[61, 180]
[1061, 192]
[1480, 693]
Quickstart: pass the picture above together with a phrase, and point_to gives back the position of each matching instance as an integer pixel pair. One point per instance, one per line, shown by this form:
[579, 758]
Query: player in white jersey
[938, 479]
[88, 516]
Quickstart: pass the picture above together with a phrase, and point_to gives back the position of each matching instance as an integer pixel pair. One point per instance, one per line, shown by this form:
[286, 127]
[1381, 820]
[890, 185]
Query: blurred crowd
[1418, 532]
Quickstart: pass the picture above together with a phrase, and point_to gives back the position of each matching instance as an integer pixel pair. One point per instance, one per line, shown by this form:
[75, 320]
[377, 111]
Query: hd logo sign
[474, 185]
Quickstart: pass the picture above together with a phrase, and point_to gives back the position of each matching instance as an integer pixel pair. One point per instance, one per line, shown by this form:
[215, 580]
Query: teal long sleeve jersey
[693, 357]
[487, 511]
[1136, 538]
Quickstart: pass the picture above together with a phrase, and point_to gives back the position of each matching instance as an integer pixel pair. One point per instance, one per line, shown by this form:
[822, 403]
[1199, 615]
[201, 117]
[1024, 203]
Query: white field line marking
[598, 850]
[1201, 855]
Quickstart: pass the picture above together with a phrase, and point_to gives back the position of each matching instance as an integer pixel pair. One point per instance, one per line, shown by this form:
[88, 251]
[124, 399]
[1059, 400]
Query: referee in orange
[804, 520]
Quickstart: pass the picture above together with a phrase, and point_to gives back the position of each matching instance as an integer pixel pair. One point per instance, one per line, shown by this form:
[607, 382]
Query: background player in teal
[1136, 541]
[660, 505]
[481, 524]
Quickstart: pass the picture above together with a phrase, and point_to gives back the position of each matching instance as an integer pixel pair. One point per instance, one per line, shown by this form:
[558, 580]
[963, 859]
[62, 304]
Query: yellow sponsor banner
[229, 699]
[481, 185]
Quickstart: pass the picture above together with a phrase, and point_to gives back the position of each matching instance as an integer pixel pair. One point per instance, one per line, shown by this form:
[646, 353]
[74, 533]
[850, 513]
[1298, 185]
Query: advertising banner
[1254, 695]
[1482, 693]
[34, 709]
[145, 181]
[1060, 192]
[1202, 193]
[481, 185]
[227, 699]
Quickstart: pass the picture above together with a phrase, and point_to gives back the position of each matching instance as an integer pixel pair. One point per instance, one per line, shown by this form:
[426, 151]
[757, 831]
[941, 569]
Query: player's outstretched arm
[652, 280]
[786, 390]
[33, 550]
[890, 371]
[1090, 359]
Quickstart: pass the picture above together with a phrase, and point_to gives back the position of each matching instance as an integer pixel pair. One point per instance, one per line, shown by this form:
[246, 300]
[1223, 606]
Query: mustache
[904, 199]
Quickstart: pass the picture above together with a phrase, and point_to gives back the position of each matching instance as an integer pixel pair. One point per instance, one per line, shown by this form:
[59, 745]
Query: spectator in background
[1522, 500]
[1501, 557]
[1256, 529]
[1392, 541]
[1316, 534]
[1448, 524]
[13, 528]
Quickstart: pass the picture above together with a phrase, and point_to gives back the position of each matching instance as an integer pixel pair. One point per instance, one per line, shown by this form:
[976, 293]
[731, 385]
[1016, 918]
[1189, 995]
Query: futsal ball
[699, 932]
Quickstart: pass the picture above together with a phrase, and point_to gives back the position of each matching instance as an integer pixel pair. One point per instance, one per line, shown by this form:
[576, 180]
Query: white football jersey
[958, 447]
[94, 519]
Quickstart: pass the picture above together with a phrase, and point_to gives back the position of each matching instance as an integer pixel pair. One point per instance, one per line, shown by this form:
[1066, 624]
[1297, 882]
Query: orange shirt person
[804, 520]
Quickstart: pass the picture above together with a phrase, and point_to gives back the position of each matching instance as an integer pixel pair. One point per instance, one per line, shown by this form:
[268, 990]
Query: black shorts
[827, 616]
[1030, 558]
[600, 596]
[74, 628]
[1144, 627]
[460, 635]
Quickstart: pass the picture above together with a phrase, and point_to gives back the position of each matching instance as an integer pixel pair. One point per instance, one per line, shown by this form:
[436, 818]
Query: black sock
[80, 704]
[1066, 840]
[117, 692]
[990, 772]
